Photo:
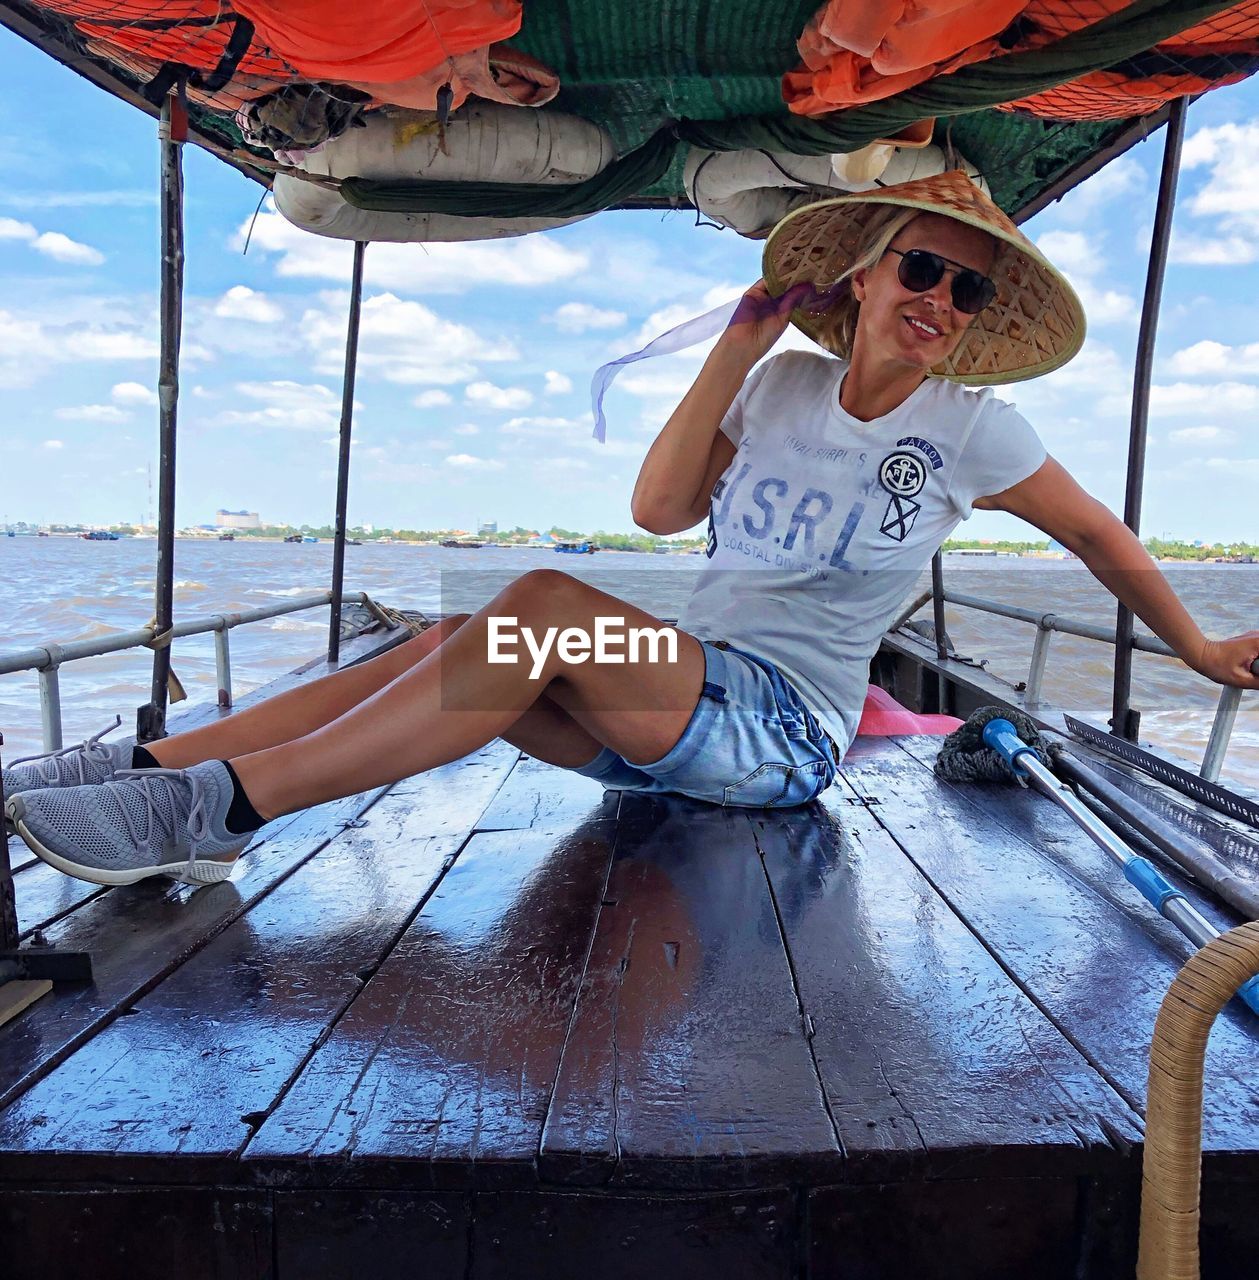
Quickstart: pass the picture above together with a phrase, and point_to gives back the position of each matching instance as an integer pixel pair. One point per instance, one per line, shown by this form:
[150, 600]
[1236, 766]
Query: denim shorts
[750, 742]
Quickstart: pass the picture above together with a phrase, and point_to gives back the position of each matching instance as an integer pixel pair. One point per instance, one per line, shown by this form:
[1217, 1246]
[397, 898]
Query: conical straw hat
[1035, 324]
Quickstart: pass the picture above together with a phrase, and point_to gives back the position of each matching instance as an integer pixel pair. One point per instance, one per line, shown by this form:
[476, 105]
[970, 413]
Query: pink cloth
[883, 716]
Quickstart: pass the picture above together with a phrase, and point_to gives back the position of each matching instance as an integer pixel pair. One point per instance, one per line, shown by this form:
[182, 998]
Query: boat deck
[493, 1022]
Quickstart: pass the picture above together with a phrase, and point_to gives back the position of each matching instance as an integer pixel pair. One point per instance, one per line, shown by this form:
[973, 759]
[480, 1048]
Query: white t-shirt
[821, 525]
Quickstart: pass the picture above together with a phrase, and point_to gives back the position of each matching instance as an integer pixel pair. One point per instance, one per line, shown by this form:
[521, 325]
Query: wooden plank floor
[502, 1020]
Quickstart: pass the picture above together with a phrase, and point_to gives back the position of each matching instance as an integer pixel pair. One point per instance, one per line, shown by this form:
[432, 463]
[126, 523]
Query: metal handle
[1003, 738]
[1167, 900]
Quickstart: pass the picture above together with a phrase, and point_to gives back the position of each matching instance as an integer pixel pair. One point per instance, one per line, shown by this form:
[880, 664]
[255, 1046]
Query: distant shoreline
[1168, 553]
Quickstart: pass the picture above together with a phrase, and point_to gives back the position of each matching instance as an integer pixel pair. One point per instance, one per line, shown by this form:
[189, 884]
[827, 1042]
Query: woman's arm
[1052, 501]
[676, 465]
[684, 458]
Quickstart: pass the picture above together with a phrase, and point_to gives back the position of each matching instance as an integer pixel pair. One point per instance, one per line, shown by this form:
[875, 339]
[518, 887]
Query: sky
[473, 401]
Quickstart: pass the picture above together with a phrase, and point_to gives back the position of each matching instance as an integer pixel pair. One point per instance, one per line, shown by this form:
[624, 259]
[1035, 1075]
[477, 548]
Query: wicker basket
[1172, 1169]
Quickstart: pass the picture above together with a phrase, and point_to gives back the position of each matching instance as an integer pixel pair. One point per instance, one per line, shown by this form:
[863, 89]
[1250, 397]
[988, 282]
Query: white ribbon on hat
[686, 334]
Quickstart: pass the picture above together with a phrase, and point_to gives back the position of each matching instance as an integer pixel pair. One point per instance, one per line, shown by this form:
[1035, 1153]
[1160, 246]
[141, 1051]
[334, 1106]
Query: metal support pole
[50, 707]
[1124, 721]
[343, 463]
[173, 129]
[1221, 731]
[937, 600]
[1040, 655]
[223, 661]
[942, 641]
[8, 899]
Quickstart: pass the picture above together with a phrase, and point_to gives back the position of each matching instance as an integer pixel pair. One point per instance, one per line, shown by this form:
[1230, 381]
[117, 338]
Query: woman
[828, 484]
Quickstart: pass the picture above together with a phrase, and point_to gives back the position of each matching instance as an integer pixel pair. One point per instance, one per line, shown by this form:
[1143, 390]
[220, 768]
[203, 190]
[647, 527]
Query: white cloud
[524, 434]
[431, 399]
[11, 229]
[1235, 467]
[1105, 306]
[242, 303]
[1219, 400]
[98, 344]
[667, 383]
[134, 393]
[94, 413]
[493, 397]
[467, 462]
[1082, 204]
[557, 384]
[1223, 398]
[30, 346]
[1071, 252]
[1077, 256]
[468, 429]
[401, 341]
[1200, 435]
[1096, 376]
[577, 317]
[80, 199]
[62, 249]
[535, 426]
[667, 317]
[53, 444]
[520, 262]
[1230, 195]
[286, 405]
[1212, 251]
[1208, 358]
[52, 244]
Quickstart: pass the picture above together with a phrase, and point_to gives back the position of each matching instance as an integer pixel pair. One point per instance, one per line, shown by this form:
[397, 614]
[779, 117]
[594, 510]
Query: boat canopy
[1034, 95]
[640, 98]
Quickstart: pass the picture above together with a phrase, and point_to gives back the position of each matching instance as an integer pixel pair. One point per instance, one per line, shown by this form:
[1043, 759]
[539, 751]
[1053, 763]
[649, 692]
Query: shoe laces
[162, 784]
[90, 749]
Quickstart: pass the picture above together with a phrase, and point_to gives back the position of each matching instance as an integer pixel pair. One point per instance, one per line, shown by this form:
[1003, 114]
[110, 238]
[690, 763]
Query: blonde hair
[838, 328]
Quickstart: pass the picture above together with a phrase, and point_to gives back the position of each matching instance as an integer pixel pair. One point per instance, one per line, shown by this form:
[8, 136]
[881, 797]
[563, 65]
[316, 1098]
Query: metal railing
[1047, 624]
[48, 659]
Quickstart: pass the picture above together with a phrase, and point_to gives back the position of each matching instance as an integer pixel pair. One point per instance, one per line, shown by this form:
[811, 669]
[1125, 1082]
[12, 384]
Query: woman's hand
[1228, 661]
[760, 320]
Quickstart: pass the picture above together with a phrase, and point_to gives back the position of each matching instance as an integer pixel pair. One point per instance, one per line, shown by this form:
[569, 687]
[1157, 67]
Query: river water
[67, 589]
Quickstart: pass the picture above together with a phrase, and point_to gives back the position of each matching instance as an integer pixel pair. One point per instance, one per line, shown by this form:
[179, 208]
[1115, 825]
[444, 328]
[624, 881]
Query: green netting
[971, 89]
[635, 66]
[660, 73]
[1024, 155]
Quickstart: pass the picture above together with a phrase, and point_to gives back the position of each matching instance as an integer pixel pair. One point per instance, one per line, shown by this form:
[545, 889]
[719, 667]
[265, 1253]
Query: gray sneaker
[92, 761]
[146, 822]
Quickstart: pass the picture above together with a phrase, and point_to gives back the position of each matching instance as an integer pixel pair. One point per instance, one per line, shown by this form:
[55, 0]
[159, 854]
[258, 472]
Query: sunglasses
[921, 270]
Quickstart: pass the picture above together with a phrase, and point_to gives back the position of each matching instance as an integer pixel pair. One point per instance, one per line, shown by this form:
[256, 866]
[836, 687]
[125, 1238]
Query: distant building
[487, 526]
[236, 519]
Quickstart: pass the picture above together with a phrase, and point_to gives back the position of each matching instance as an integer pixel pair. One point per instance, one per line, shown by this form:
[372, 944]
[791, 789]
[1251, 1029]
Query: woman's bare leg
[544, 731]
[298, 711]
[455, 700]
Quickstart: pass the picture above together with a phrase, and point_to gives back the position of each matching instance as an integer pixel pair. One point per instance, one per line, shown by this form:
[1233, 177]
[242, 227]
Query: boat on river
[577, 548]
[499, 1020]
